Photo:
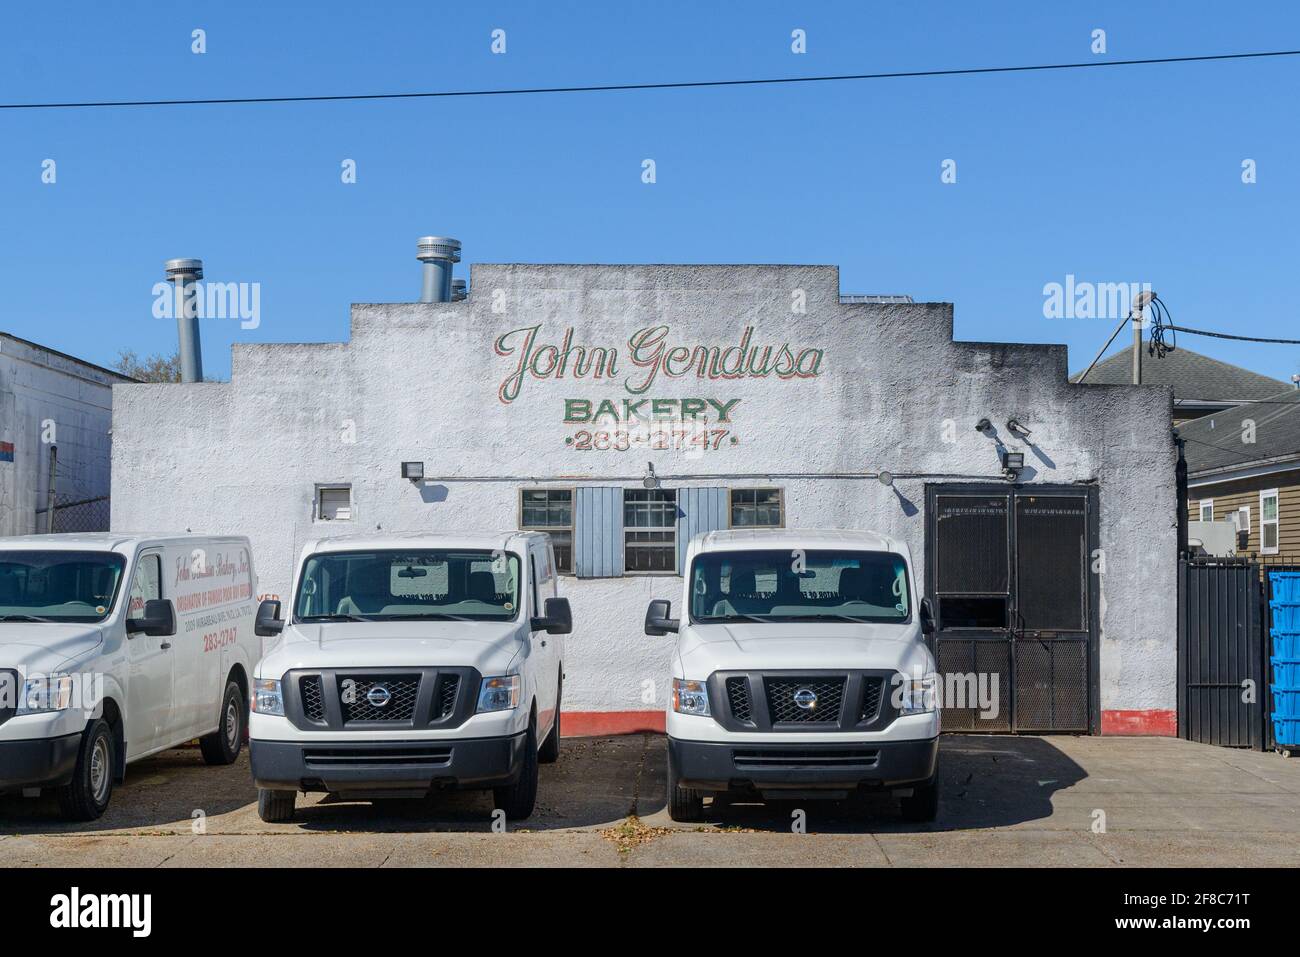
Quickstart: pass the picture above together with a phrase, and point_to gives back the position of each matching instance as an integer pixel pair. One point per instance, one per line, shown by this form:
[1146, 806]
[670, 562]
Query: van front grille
[797, 758]
[313, 699]
[448, 686]
[738, 699]
[414, 755]
[804, 700]
[8, 694]
[378, 697]
[872, 693]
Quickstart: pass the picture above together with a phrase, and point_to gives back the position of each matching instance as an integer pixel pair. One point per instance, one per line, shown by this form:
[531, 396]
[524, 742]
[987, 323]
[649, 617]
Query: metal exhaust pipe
[438, 253]
[183, 273]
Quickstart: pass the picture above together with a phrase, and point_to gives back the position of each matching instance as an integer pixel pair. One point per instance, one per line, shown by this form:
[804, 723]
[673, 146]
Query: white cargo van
[113, 647]
[801, 670]
[410, 664]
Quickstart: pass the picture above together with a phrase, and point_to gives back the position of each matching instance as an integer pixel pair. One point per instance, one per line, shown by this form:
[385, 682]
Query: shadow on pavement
[985, 780]
[597, 782]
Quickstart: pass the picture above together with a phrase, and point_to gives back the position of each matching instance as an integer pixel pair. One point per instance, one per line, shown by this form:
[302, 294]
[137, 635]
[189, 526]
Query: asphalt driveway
[1053, 801]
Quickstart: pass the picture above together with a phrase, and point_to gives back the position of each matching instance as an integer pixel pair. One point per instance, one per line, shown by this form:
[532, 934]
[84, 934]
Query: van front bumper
[38, 762]
[814, 766]
[387, 766]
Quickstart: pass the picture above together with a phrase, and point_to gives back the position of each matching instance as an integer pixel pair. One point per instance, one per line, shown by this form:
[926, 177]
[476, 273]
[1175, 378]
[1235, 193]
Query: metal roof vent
[438, 253]
[184, 273]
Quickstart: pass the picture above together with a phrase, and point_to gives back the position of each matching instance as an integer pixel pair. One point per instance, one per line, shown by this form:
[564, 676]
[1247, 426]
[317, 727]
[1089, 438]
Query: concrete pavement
[1050, 801]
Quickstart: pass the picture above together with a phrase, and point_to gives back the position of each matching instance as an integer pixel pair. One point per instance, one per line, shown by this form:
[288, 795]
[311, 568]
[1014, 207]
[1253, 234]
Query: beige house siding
[1228, 497]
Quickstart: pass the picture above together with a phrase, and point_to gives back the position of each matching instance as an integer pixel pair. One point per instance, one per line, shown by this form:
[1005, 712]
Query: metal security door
[1010, 576]
[1222, 675]
[1050, 640]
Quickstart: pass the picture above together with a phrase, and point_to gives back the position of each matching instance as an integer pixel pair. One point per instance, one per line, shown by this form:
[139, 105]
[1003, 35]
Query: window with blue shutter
[698, 510]
[598, 532]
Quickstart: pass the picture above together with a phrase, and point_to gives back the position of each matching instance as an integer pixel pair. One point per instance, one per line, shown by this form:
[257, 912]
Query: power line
[624, 87]
[1224, 335]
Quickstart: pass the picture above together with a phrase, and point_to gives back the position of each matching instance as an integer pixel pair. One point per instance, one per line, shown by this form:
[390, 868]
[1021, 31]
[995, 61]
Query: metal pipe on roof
[438, 253]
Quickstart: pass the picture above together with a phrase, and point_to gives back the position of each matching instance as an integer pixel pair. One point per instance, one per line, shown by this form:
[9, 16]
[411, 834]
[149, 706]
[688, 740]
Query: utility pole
[1139, 304]
[49, 490]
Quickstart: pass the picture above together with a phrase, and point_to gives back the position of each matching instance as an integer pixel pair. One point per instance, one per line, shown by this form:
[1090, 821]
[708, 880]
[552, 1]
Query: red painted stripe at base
[1155, 721]
[578, 724]
[582, 724]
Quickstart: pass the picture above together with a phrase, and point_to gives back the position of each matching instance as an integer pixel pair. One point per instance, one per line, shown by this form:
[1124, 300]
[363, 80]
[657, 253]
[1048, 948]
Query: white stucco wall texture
[862, 388]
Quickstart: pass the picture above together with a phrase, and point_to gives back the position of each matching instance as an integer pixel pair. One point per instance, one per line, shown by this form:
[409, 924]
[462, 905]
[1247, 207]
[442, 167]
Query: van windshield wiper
[27, 618]
[314, 618]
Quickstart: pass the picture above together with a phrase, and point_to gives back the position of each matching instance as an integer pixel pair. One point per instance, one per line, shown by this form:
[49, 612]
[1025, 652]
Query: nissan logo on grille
[805, 698]
[378, 696]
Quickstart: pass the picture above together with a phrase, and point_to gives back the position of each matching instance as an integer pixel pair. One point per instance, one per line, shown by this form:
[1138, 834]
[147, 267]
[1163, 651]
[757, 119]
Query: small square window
[550, 510]
[757, 508]
[333, 503]
[650, 530]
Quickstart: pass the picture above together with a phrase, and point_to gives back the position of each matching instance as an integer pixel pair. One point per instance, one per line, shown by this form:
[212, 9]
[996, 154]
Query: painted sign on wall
[635, 417]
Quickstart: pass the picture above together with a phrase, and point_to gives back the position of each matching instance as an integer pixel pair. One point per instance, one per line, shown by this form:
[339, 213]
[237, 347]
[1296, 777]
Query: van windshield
[812, 585]
[407, 585]
[58, 585]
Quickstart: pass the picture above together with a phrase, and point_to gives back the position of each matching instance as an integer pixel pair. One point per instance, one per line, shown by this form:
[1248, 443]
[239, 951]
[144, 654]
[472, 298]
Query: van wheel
[923, 805]
[276, 807]
[518, 799]
[549, 752]
[85, 797]
[684, 804]
[222, 746]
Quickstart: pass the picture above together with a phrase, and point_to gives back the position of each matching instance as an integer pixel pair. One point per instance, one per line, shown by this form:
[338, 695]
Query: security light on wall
[413, 471]
[651, 480]
[1015, 427]
[984, 426]
[885, 478]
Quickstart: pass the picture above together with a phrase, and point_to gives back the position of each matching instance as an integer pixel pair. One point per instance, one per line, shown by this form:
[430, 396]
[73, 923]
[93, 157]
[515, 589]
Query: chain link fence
[85, 515]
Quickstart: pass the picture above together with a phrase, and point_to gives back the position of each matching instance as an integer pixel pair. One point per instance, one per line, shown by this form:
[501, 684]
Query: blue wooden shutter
[698, 510]
[598, 532]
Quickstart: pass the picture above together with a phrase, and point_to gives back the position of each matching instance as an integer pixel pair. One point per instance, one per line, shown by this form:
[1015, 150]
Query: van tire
[276, 807]
[85, 797]
[923, 804]
[685, 805]
[519, 799]
[222, 746]
[549, 752]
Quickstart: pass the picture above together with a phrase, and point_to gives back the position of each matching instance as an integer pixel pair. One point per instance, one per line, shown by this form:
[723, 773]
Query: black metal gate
[1223, 695]
[1010, 572]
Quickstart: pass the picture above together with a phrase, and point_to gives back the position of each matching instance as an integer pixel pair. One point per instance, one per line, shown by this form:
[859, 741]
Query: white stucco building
[758, 397]
[56, 406]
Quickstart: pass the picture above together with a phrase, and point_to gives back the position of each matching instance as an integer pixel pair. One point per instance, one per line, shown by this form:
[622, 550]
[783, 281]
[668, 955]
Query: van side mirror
[159, 619]
[558, 619]
[268, 622]
[927, 617]
[657, 621]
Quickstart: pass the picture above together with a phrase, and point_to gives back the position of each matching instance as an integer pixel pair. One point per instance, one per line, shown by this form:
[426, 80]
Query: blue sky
[1124, 175]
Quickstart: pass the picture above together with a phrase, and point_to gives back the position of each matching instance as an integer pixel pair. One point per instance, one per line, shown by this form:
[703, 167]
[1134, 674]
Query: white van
[114, 647]
[411, 664]
[801, 670]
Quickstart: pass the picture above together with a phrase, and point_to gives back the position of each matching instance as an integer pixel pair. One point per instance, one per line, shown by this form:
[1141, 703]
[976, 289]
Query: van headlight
[498, 694]
[690, 697]
[267, 696]
[917, 695]
[44, 693]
